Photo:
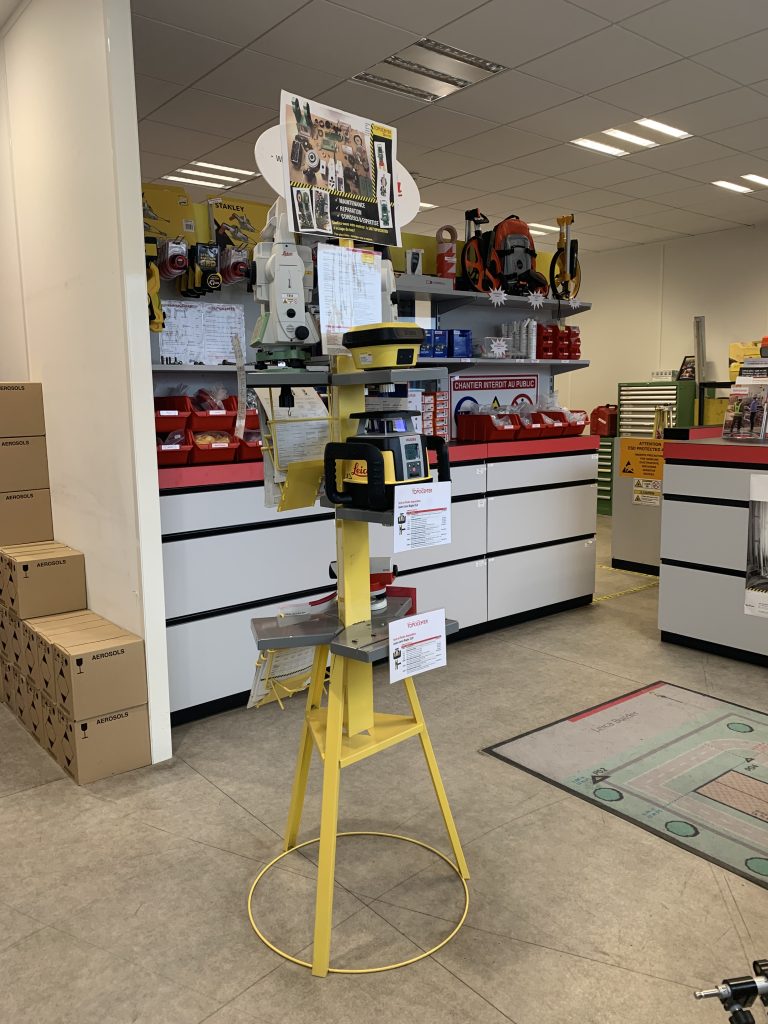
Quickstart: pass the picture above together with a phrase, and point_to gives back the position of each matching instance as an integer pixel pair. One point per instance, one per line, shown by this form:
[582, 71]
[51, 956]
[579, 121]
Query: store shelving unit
[444, 301]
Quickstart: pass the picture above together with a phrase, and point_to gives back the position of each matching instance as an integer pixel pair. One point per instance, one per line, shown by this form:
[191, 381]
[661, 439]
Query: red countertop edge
[700, 451]
[176, 477]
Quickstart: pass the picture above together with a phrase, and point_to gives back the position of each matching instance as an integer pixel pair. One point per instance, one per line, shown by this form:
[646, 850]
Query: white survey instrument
[283, 285]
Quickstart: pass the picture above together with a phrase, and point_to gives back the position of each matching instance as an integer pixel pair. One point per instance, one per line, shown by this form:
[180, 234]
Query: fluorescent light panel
[665, 129]
[222, 167]
[427, 206]
[636, 140]
[544, 227]
[195, 181]
[461, 55]
[534, 232]
[755, 178]
[601, 147]
[209, 174]
[732, 186]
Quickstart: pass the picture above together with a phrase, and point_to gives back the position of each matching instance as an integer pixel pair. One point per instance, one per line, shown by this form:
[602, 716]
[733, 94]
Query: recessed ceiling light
[665, 129]
[194, 181]
[636, 140]
[461, 55]
[389, 85]
[422, 69]
[427, 206]
[208, 174]
[601, 147]
[732, 186]
[534, 232]
[544, 227]
[221, 167]
[756, 178]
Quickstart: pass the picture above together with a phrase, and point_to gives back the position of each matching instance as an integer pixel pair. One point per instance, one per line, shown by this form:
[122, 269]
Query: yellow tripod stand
[348, 729]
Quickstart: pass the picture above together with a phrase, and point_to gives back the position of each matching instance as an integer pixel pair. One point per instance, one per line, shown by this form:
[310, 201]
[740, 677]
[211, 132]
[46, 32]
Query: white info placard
[416, 644]
[422, 515]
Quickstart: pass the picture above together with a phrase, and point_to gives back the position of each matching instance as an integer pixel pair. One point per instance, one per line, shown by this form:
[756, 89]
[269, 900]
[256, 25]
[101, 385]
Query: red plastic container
[172, 413]
[575, 429]
[202, 454]
[556, 429]
[173, 454]
[249, 451]
[215, 419]
[480, 427]
[251, 419]
[604, 420]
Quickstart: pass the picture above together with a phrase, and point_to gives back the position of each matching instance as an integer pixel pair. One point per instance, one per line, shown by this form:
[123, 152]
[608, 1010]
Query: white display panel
[704, 481]
[215, 509]
[704, 534]
[536, 517]
[538, 472]
[534, 579]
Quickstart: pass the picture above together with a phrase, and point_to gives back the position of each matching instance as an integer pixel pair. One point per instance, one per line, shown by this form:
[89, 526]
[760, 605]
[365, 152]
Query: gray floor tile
[423, 992]
[15, 926]
[23, 763]
[57, 979]
[231, 1015]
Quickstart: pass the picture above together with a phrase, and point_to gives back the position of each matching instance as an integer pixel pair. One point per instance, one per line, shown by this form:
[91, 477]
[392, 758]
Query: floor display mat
[690, 768]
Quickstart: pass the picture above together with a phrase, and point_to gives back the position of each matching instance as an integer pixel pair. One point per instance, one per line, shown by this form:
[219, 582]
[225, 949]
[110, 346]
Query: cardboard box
[19, 695]
[15, 639]
[23, 463]
[95, 676]
[7, 679]
[4, 634]
[33, 709]
[25, 516]
[43, 579]
[21, 409]
[50, 735]
[107, 745]
[44, 629]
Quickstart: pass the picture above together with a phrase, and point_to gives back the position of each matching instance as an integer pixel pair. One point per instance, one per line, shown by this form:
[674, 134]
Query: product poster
[237, 222]
[416, 644]
[756, 587]
[422, 517]
[168, 214]
[339, 172]
[746, 417]
[468, 394]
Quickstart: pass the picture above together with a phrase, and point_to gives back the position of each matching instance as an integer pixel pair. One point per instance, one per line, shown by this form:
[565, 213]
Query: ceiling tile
[322, 35]
[375, 103]
[718, 112]
[444, 194]
[549, 188]
[423, 17]
[670, 86]
[636, 232]
[242, 22]
[594, 199]
[253, 76]
[173, 54]
[442, 164]
[761, 87]
[496, 205]
[631, 210]
[684, 26]
[443, 215]
[233, 154]
[592, 222]
[653, 185]
[153, 165]
[501, 144]
[614, 10]
[607, 174]
[574, 119]
[560, 159]
[436, 127]
[151, 93]
[500, 97]
[746, 137]
[494, 32]
[591, 243]
[218, 114]
[600, 60]
[168, 140]
[729, 167]
[407, 152]
[680, 154]
[685, 221]
[710, 200]
[742, 59]
[256, 189]
[498, 176]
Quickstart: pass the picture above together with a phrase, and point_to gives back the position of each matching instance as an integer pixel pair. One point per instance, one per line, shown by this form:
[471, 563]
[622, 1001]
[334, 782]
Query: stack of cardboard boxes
[76, 681]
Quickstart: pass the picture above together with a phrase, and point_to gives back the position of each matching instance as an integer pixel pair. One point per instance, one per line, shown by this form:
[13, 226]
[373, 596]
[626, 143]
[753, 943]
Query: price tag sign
[416, 644]
[422, 516]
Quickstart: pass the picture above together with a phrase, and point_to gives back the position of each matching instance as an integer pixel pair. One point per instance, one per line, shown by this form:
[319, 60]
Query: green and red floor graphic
[691, 768]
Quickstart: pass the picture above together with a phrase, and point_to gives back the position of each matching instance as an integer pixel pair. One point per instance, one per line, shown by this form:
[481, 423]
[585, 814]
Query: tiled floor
[125, 901]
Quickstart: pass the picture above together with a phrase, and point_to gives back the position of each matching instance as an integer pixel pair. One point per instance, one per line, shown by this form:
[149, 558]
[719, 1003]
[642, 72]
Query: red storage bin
[604, 420]
[172, 413]
[251, 419]
[556, 429]
[530, 432]
[173, 454]
[215, 419]
[208, 453]
[480, 427]
[249, 451]
[574, 429]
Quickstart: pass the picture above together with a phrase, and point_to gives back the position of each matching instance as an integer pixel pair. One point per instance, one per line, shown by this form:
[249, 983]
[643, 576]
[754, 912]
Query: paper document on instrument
[416, 644]
[422, 516]
[274, 668]
[349, 288]
[299, 440]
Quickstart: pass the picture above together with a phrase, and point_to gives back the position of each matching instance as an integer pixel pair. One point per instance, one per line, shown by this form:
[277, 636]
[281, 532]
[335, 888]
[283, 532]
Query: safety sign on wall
[469, 393]
[416, 644]
[646, 491]
[641, 457]
[422, 516]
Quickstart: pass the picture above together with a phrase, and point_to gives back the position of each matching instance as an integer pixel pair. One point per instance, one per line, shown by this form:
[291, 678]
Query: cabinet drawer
[536, 517]
[528, 580]
[537, 472]
[460, 589]
[468, 532]
[708, 481]
[210, 510]
[705, 534]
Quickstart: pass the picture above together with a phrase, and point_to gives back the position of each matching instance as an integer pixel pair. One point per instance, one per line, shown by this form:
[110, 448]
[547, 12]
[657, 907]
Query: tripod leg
[437, 782]
[321, 953]
[314, 696]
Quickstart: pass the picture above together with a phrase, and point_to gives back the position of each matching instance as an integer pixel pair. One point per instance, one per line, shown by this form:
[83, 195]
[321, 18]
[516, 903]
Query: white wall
[76, 182]
[644, 300]
[13, 340]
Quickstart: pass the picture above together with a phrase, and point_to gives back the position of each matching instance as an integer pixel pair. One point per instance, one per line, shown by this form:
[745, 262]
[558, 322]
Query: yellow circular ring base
[360, 970]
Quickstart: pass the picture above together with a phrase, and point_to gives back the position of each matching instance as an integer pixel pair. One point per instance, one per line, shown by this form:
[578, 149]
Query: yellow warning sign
[641, 457]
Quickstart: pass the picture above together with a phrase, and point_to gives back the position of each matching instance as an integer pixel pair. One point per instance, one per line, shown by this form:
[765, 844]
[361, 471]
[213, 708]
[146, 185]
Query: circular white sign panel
[269, 160]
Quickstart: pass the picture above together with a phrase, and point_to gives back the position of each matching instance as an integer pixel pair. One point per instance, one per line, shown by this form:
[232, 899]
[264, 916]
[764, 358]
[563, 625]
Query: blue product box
[427, 346]
[440, 344]
[460, 343]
